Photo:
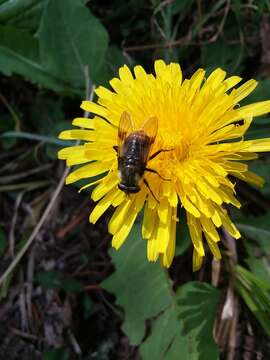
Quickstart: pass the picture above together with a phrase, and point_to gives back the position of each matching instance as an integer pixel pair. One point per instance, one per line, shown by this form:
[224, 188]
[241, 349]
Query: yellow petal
[119, 216]
[190, 207]
[255, 109]
[163, 233]
[103, 154]
[163, 210]
[216, 219]
[167, 257]
[195, 233]
[260, 145]
[195, 83]
[208, 192]
[244, 90]
[83, 122]
[173, 199]
[215, 78]
[78, 159]
[251, 178]
[175, 73]
[87, 171]
[119, 198]
[203, 204]
[209, 229]
[140, 72]
[87, 135]
[126, 75]
[64, 153]
[231, 82]
[94, 108]
[160, 67]
[197, 260]
[152, 248]
[90, 184]
[228, 197]
[235, 167]
[213, 247]
[117, 86]
[149, 222]
[104, 93]
[75, 155]
[107, 184]
[101, 207]
[123, 232]
[218, 169]
[228, 225]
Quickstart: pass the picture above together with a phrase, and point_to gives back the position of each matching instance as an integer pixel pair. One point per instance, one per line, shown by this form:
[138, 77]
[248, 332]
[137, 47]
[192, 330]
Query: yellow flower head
[199, 124]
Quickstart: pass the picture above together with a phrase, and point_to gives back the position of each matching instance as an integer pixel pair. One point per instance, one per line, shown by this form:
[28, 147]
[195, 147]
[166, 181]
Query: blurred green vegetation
[51, 53]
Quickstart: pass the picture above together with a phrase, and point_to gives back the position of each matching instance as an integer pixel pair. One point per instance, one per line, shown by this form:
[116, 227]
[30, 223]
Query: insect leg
[158, 152]
[157, 173]
[147, 185]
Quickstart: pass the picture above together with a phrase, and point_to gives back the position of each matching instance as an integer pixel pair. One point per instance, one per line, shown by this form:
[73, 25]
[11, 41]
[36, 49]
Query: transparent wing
[126, 126]
[150, 128]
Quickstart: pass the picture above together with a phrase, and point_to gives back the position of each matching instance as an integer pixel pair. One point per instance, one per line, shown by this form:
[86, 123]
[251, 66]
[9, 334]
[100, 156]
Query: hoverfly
[133, 152]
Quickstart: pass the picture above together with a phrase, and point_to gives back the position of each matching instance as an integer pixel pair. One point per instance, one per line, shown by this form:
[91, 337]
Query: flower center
[174, 140]
[182, 150]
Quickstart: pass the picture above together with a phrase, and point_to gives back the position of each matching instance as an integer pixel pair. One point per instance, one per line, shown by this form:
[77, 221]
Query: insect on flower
[163, 127]
[133, 152]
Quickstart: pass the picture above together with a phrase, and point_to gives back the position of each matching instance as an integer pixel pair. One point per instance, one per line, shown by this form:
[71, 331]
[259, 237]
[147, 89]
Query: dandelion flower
[201, 122]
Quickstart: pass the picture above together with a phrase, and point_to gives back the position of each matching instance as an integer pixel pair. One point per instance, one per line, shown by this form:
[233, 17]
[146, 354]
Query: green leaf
[256, 260]
[21, 13]
[257, 228]
[71, 286]
[262, 168]
[197, 304]
[46, 114]
[181, 322]
[179, 6]
[183, 240]
[36, 137]
[186, 326]
[207, 15]
[56, 280]
[261, 93]
[19, 55]
[4, 288]
[71, 41]
[260, 128]
[26, 186]
[221, 54]
[114, 60]
[236, 8]
[56, 354]
[166, 340]
[87, 305]
[50, 279]
[256, 294]
[3, 242]
[142, 289]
